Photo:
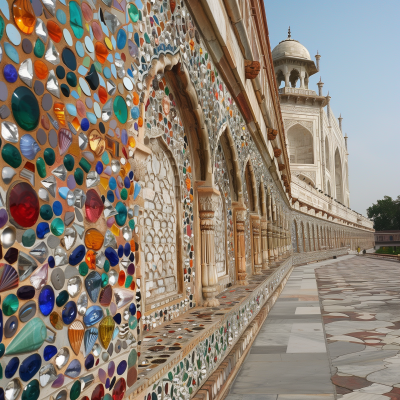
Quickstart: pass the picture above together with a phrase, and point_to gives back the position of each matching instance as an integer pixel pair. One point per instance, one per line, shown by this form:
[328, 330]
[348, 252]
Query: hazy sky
[359, 41]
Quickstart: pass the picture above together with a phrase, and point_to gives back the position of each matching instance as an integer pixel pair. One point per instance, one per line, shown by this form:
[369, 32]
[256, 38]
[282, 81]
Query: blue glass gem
[135, 113]
[107, 383]
[69, 312]
[93, 285]
[51, 262]
[136, 191]
[63, 192]
[57, 208]
[99, 167]
[89, 339]
[110, 196]
[42, 230]
[132, 309]
[127, 182]
[93, 315]
[121, 367]
[124, 137]
[77, 255]
[11, 367]
[30, 366]
[10, 73]
[117, 318]
[74, 369]
[112, 183]
[89, 362]
[130, 175]
[11, 52]
[46, 300]
[120, 251]
[121, 39]
[112, 256]
[127, 249]
[49, 352]
[29, 147]
[85, 124]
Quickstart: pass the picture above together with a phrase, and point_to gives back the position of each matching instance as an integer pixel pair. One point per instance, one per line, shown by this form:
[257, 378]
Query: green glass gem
[83, 269]
[1, 27]
[104, 280]
[166, 91]
[132, 224]
[133, 13]
[132, 322]
[128, 281]
[105, 158]
[124, 194]
[11, 155]
[85, 165]
[57, 227]
[41, 167]
[62, 298]
[28, 238]
[49, 156]
[120, 218]
[107, 266]
[69, 162]
[46, 212]
[146, 38]
[72, 80]
[39, 48]
[132, 358]
[86, 62]
[120, 109]
[31, 391]
[76, 19]
[98, 67]
[29, 338]
[78, 175]
[75, 390]
[2, 350]
[25, 108]
[10, 305]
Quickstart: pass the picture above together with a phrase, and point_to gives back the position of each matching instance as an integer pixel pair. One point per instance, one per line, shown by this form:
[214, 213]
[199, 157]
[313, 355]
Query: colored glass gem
[10, 305]
[93, 285]
[29, 367]
[24, 204]
[46, 300]
[75, 335]
[25, 108]
[106, 329]
[31, 391]
[24, 16]
[69, 312]
[11, 155]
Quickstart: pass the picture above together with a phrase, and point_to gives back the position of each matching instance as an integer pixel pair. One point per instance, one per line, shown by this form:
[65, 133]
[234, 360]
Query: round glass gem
[10, 305]
[23, 203]
[25, 108]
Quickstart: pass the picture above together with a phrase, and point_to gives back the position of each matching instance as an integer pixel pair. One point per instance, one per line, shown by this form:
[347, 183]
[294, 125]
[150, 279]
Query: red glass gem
[93, 206]
[119, 390]
[98, 392]
[24, 204]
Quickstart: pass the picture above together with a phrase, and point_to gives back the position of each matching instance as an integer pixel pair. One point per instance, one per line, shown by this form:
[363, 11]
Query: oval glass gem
[25, 108]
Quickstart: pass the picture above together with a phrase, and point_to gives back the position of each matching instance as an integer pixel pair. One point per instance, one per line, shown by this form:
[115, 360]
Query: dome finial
[289, 35]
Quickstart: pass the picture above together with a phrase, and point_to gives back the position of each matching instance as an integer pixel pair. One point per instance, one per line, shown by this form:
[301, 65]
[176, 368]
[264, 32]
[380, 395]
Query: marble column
[207, 206]
[264, 243]
[241, 248]
[257, 255]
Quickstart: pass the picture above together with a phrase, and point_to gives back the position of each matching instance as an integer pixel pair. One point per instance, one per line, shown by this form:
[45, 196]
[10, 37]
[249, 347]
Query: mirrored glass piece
[26, 72]
[9, 132]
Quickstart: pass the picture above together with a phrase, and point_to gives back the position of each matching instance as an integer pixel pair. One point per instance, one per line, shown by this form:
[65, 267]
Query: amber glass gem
[121, 278]
[41, 69]
[75, 335]
[58, 109]
[55, 31]
[106, 329]
[103, 95]
[56, 320]
[97, 143]
[101, 52]
[90, 259]
[24, 16]
[94, 239]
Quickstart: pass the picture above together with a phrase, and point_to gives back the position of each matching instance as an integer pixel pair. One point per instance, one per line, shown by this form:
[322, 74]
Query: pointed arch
[300, 145]
[251, 187]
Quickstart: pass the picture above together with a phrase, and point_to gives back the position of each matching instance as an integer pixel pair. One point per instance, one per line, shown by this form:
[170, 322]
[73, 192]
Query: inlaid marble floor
[349, 350]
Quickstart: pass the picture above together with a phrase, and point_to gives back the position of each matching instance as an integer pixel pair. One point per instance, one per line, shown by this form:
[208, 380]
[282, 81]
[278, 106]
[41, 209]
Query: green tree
[386, 214]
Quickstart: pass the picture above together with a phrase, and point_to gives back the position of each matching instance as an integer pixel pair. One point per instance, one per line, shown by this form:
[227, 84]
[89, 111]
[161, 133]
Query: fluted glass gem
[75, 335]
[106, 329]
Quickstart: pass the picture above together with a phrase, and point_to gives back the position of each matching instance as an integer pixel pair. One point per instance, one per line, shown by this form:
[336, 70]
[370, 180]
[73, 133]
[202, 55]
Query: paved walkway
[349, 353]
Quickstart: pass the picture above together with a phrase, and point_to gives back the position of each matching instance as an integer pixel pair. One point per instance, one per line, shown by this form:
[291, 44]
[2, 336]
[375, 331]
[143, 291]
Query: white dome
[290, 48]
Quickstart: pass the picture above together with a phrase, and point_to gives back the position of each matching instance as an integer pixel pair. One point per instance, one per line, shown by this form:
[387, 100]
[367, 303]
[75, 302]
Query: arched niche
[300, 145]
[338, 177]
[294, 78]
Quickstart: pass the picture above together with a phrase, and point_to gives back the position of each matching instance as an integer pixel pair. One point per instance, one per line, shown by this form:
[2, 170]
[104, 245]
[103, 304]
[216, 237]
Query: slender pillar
[208, 205]
[257, 256]
[241, 248]
[264, 243]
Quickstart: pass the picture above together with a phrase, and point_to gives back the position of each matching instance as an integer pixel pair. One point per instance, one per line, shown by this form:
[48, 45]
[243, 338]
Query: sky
[359, 44]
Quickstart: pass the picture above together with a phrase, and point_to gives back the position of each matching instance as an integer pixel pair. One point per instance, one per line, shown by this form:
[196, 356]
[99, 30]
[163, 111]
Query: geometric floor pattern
[334, 333]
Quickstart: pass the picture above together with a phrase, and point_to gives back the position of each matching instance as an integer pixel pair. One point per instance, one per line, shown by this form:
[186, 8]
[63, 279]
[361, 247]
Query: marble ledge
[231, 301]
